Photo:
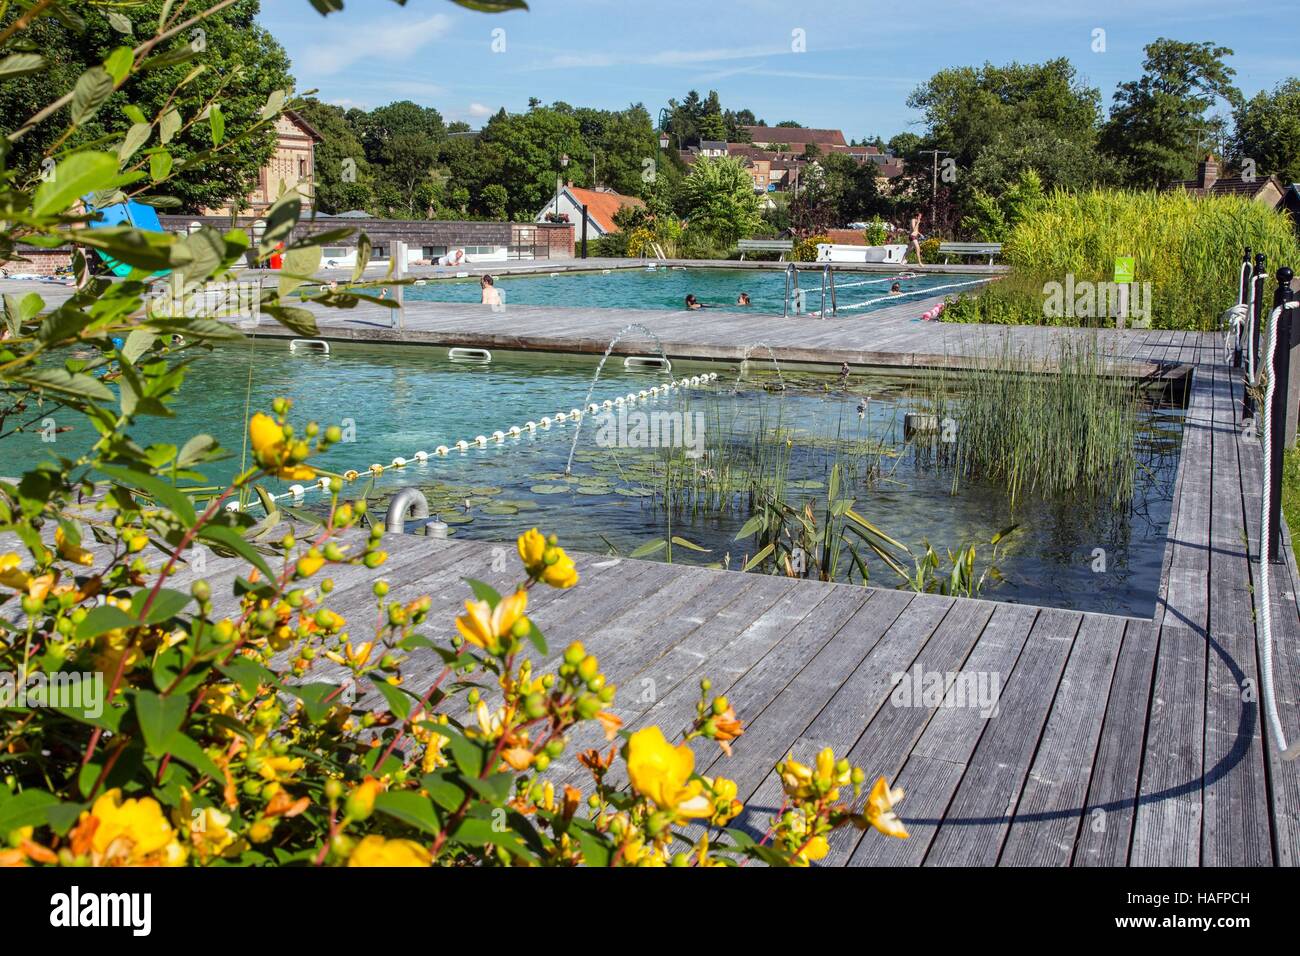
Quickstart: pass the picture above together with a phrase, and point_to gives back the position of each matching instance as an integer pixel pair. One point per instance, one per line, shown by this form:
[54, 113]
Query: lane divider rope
[299, 492]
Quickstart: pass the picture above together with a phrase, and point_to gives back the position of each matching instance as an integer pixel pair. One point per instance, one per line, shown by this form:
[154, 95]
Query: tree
[995, 216]
[405, 164]
[402, 118]
[1268, 131]
[1160, 122]
[966, 107]
[720, 200]
[529, 146]
[241, 64]
[496, 201]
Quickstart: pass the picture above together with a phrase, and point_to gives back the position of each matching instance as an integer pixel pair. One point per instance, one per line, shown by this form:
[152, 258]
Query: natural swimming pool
[665, 288]
[737, 438]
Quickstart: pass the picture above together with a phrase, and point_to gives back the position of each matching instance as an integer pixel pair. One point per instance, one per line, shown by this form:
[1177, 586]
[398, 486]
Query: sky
[845, 64]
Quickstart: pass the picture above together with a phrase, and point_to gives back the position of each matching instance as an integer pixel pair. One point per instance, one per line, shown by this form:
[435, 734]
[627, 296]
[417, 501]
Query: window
[480, 250]
[302, 168]
[335, 252]
[432, 252]
[379, 252]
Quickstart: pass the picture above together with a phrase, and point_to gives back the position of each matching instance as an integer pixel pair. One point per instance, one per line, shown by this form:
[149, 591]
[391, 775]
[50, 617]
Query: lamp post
[934, 181]
[559, 179]
[663, 131]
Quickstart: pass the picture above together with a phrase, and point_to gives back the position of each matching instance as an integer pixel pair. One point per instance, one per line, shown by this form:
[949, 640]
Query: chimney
[1207, 172]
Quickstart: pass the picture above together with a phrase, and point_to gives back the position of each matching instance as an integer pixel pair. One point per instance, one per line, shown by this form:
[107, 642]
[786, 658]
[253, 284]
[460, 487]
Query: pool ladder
[797, 298]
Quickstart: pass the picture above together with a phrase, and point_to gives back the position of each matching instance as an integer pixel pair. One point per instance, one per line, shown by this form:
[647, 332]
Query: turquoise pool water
[666, 289]
[400, 401]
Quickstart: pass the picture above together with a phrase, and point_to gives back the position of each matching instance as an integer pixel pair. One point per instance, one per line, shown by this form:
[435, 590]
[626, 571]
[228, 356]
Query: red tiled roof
[793, 134]
[601, 205]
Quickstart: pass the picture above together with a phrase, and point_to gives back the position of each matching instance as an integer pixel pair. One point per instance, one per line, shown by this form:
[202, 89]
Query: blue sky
[860, 60]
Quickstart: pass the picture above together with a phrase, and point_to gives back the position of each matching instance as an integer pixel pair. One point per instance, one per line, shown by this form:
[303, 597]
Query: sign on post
[1125, 272]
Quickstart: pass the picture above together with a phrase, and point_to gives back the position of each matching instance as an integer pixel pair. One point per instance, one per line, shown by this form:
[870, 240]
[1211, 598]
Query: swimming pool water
[399, 401]
[666, 289]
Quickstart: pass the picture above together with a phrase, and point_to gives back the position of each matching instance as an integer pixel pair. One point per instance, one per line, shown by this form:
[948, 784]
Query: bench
[989, 249]
[765, 245]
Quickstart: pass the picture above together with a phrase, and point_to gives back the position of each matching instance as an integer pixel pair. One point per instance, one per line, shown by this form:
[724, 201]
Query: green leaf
[762, 555]
[248, 674]
[186, 750]
[101, 620]
[230, 538]
[159, 717]
[409, 808]
[118, 63]
[217, 125]
[166, 604]
[160, 490]
[399, 702]
[446, 792]
[136, 137]
[484, 592]
[492, 6]
[198, 449]
[160, 165]
[27, 809]
[274, 103]
[294, 319]
[120, 22]
[467, 754]
[689, 545]
[168, 126]
[652, 547]
[18, 64]
[74, 177]
[59, 380]
[317, 699]
[751, 527]
[92, 89]
[299, 265]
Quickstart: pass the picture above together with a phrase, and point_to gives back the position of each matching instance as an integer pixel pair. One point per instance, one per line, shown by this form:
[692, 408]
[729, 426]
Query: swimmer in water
[743, 299]
[895, 289]
[491, 294]
[692, 303]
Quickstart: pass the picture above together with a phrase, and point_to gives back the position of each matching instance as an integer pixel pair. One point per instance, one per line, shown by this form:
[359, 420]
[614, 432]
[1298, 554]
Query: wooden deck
[1117, 741]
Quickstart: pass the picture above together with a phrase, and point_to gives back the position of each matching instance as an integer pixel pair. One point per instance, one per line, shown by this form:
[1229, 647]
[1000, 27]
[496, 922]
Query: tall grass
[1065, 432]
[1188, 248]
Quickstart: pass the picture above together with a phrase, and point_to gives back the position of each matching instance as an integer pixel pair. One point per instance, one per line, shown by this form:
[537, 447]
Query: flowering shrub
[150, 722]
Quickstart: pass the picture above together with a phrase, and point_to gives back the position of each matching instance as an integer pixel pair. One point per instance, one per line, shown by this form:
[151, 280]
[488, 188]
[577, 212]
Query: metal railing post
[1281, 371]
[1255, 298]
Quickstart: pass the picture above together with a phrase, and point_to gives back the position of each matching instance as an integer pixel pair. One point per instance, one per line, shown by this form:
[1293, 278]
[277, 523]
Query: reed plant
[1189, 249]
[1061, 427]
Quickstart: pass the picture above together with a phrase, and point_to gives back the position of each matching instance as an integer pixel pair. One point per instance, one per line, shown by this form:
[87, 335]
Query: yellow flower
[879, 811]
[130, 832]
[279, 769]
[11, 573]
[69, 551]
[434, 758]
[361, 801]
[210, 832]
[662, 772]
[485, 626]
[805, 783]
[532, 549]
[546, 561]
[491, 723]
[814, 849]
[374, 850]
[560, 572]
[272, 451]
[725, 804]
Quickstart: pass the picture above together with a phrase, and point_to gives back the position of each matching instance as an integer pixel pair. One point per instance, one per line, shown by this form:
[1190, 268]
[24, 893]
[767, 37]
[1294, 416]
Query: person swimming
[743, 299]
[491, 294]
[895, 289]
[693, 303]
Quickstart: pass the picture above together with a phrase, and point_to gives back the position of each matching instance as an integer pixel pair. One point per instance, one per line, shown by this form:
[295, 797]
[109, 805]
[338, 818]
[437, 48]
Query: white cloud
[480, 110]
[384, 39]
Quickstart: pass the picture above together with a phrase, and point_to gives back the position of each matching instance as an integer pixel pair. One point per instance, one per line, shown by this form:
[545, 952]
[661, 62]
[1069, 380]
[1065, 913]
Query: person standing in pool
[895, 289]
[916, 237]
[693, 303]
[743, 299]
[491, 294]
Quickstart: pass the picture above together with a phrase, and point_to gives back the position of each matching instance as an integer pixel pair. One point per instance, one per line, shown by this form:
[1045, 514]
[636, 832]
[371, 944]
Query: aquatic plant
[1189, 248]
[1063, 426]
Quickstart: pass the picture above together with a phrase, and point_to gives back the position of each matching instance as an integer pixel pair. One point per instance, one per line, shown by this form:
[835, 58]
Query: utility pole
[934, 179]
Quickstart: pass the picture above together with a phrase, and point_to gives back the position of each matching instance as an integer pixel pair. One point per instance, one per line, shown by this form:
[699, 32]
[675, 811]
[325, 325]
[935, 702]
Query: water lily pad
[500, 509]
[549, 489]
[456, 519]
[593, 489]
[485, 490]
[521, 504]
[634, 492]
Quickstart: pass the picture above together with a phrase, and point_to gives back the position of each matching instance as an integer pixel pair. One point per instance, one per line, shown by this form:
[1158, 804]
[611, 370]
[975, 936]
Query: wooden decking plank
[1045, 828]
[934, 768]
[980, 813]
